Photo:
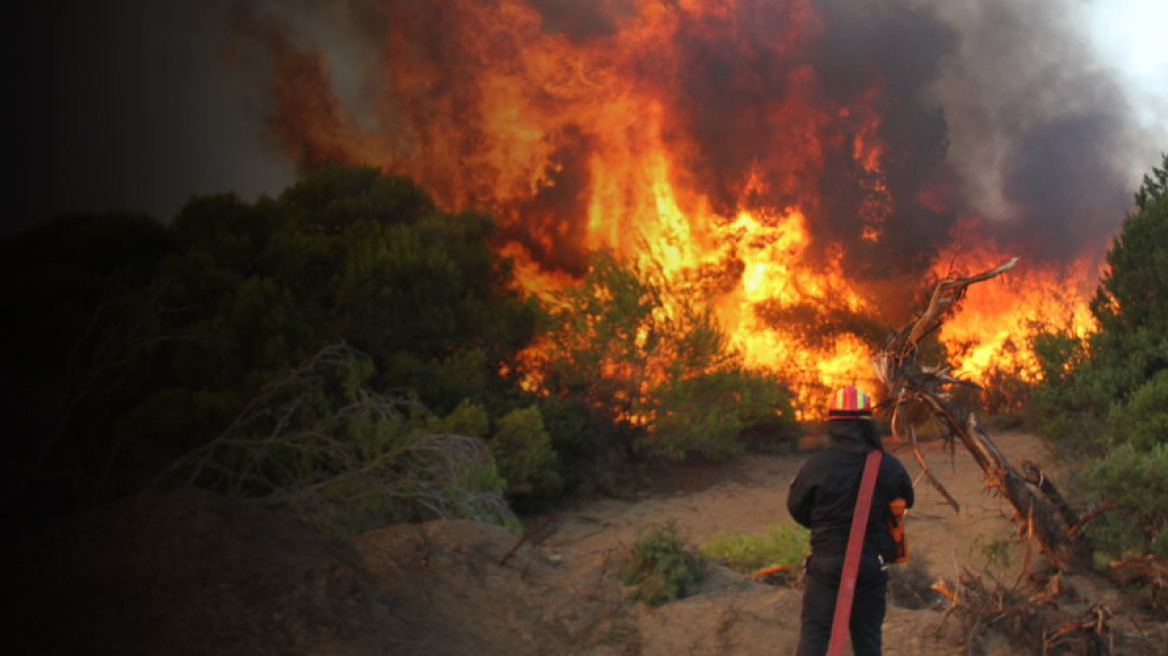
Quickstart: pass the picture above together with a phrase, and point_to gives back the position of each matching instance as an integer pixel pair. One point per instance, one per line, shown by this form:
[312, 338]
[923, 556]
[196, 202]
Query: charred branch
[1038, 479]
[912, 383]
[1078, 526]
[924, 463]
[1046, 623]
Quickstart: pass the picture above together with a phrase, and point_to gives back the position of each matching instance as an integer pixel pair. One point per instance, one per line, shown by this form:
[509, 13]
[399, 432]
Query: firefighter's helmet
[850, 402]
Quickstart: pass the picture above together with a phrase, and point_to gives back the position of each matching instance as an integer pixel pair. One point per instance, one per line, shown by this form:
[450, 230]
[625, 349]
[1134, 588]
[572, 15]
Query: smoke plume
[898, 128]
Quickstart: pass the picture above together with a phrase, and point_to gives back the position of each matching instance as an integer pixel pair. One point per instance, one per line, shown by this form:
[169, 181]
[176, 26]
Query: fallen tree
[1043, 516]
[1051, 616]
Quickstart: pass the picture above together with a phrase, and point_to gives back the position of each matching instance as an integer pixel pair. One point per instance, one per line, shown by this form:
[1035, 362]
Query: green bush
[781, 544]
[1109, 388]
[705, 415]
[523, 450]
[1143, 420]
[318, 442]
[662, 566]
[469, 419]
[1137, 481]
[1072, 399]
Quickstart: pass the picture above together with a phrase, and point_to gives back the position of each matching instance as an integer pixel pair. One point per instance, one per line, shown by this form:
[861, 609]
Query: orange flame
[990, 331]
[602, 138]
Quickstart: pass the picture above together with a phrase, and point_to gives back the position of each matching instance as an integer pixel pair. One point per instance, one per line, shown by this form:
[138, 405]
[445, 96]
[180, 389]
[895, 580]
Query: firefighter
[822, 497]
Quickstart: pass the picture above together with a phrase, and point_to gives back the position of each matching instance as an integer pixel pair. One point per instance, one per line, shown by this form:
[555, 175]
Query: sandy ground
[749, 495]
[190, 573]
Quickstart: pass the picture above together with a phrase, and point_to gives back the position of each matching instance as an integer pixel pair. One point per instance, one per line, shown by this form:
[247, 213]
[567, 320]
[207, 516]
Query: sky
[130, 104]
[1129, 37]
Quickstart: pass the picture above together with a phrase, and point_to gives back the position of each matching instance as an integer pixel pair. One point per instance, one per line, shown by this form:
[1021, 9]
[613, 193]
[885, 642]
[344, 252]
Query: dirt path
[749, 495]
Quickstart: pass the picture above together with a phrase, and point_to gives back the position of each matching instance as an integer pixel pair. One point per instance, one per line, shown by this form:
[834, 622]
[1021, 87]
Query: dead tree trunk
[910, 382]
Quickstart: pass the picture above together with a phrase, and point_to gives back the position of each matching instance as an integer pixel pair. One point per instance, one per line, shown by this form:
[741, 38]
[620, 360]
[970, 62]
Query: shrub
[469, 419]
[523, 451]
[1138, 482]
[316, 441]
[705, 415]
[662, 566]
[781, 544]
[1142, 420]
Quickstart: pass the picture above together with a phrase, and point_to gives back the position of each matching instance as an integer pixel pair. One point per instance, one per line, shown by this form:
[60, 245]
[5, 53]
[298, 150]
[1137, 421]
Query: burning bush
[650, 356]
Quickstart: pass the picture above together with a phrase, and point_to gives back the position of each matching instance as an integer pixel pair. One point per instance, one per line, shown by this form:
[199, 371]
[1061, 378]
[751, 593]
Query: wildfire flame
[989, 334]
[739, 144]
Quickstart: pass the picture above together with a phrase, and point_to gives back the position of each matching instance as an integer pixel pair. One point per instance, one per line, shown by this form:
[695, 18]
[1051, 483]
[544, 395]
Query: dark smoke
[553, 223]
[581, 20]
[991, 112]
[1029, 107]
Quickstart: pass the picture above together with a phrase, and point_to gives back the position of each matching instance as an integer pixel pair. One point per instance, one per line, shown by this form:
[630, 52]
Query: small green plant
[994, 551]
[621, 632]
[662, 566]
[781, 544]
[523, 452]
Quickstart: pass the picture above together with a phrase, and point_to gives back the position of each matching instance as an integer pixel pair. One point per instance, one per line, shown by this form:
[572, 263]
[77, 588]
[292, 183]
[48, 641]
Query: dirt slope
[191, 573]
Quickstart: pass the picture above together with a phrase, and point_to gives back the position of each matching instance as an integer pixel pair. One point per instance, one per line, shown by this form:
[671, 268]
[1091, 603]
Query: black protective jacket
[823, 494]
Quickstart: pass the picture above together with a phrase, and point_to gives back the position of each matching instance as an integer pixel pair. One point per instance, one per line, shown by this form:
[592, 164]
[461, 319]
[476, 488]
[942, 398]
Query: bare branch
[911, 382]
[364, 461]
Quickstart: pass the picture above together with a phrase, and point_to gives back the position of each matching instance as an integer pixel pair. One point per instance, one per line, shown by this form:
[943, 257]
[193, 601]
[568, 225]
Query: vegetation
[1107, 396]
[1136, 479]
[662, 567]
[346, 350]
[649, 359]
[782, 544]
[141, 345]
[317, 441]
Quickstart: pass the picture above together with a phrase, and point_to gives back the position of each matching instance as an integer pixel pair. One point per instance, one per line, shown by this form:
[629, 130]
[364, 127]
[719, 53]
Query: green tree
[1108, 394]
[140, 341]
[1096, 391]
[1130, 296]
[369, 257]
[1155, 186]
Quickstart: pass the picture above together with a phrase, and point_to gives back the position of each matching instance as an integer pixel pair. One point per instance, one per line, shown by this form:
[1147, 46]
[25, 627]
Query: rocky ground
[190, 573]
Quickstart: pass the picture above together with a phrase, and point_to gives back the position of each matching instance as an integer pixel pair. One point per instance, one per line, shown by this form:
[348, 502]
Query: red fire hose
[847, 588]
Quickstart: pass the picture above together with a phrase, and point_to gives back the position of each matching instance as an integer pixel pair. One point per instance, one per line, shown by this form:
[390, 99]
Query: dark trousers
[821, 585]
